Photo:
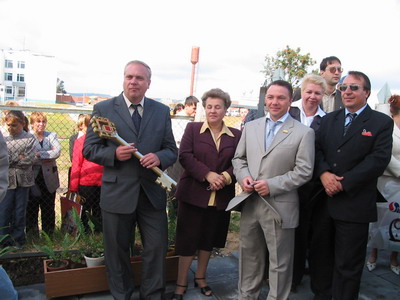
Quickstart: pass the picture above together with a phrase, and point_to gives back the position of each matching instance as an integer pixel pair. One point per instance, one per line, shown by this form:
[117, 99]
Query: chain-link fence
[40, 169]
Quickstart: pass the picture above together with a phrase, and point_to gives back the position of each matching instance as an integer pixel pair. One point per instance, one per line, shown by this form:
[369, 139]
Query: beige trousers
[259, 232]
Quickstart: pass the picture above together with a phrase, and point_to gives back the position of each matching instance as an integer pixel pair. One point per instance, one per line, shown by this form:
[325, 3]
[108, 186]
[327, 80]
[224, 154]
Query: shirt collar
[299, 104]
[331, 94]
[128, 103]
[225, 129]
[358, 112]
[282, 119]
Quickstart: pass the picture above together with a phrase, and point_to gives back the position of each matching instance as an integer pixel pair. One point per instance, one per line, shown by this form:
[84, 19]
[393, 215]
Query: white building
[27, 77]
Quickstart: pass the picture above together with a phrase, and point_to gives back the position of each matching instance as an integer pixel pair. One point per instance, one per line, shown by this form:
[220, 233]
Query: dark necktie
[351, 117]
[136, 118]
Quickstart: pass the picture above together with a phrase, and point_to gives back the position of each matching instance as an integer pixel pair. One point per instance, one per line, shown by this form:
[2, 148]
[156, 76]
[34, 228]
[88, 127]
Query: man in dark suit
[129, 195]
[352, 151]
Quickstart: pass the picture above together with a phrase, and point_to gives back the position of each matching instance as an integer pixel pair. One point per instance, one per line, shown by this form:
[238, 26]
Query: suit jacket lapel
[121, 109]
[206, 138]
[282, 133]
[148, 112]
[338, 124]
[260, 134]
[357, 124]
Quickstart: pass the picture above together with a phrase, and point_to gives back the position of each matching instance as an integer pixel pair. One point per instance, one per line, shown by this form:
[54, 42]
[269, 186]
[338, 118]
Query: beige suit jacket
[286, 165]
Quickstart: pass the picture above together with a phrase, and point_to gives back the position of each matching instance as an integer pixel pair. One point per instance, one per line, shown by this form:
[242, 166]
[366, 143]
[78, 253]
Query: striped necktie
[351, 117]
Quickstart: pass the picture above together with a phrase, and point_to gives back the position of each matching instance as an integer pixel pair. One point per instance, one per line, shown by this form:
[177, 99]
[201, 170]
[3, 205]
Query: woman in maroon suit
[204, 189]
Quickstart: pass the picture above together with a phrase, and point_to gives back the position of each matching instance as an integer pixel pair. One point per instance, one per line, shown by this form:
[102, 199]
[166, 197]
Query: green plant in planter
[57, 257]
[91, 243]
[5, 250]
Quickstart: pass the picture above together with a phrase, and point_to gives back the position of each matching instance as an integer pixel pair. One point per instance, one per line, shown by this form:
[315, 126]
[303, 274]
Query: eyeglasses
[353, 87]
[334, 69]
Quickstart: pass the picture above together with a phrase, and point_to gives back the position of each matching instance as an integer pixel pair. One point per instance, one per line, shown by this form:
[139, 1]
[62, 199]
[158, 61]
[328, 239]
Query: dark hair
[217, 93]
[282, 83]
[361, 75]
[191, 100]
[327, 61]
[177, 107]
[16, 115]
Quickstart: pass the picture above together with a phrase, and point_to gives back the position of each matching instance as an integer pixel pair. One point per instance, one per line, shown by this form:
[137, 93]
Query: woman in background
[82, 125]
[307, 111]
[85, 178]
[204, 189]
[43, 194]
[21, 147]
[389, 182]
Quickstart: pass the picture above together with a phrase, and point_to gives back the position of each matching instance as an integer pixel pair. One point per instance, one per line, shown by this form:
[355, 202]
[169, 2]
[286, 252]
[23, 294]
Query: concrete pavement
[222, 276]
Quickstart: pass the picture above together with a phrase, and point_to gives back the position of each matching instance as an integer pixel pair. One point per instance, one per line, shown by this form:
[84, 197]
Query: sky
[93, 40]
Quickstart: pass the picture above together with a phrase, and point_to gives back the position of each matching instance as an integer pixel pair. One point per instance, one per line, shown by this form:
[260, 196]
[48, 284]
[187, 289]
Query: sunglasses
[353, 87]
[334, 69]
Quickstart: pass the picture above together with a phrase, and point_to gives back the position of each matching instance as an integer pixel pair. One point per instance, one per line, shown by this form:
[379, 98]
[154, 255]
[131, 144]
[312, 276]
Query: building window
[9, 90]
[21, 77]
[8, 63]
[21, 65]
[8, 76]
[21, 91]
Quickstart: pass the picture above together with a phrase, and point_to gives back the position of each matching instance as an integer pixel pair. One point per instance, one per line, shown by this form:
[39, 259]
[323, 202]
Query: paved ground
[222, 276]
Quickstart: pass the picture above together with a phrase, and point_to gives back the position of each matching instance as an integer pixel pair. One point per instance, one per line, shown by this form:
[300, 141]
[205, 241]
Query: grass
[234, 224]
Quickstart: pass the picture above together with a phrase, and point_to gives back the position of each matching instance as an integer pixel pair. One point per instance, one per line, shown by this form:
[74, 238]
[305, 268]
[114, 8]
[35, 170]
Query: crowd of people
[30, 154]
[309, 170]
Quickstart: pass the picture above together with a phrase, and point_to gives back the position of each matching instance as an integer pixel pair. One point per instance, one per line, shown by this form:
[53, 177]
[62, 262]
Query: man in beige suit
[274, 157]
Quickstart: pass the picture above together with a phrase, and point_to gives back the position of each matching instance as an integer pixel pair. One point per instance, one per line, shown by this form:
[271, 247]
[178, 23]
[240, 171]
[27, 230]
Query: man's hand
[150, 160]
[261, 187]
[331, 183]
[247, 184]
[123, 153]
[217, 181]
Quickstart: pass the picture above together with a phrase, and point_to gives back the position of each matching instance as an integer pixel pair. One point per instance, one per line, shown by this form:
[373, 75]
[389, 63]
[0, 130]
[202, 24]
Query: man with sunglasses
[353, 148]
[331, 70]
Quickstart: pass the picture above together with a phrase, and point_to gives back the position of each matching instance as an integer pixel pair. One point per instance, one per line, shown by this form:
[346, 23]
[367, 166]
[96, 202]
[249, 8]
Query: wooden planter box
[94, 279]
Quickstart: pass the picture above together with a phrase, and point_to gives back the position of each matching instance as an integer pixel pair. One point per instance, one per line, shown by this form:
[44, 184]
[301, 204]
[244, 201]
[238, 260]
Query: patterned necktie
[271, 133]
[136, 118]
[351, 117]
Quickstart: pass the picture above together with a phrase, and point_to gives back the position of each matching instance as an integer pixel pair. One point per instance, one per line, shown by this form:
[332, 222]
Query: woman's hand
[217, 181]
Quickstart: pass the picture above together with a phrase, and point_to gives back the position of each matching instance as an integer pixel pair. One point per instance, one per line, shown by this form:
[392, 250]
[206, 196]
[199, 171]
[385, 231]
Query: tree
[60, 86]
[293, 64]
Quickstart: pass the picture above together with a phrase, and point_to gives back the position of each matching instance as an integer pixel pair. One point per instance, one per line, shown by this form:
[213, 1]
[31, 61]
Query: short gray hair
[139, 62]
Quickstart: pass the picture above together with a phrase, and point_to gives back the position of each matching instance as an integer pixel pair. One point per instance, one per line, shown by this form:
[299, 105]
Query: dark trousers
[307, 194]
[12, 216]
[44, 202]
[118, 233]
[337, 255]
[91, 204]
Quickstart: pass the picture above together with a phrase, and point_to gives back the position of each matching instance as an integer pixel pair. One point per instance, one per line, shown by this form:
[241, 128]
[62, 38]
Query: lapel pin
[285, 131]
